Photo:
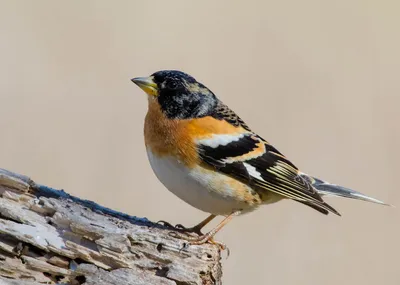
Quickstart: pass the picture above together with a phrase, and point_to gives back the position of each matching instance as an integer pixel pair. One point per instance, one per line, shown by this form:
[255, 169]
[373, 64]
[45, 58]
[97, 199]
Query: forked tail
[327, 189]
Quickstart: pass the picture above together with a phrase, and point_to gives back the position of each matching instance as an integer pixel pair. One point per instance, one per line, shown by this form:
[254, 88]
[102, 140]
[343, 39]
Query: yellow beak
[147, 84]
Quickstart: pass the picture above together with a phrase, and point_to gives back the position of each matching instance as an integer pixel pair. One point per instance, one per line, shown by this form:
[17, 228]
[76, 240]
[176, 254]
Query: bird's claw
[165, 224]
[202, 239]
[180, 228]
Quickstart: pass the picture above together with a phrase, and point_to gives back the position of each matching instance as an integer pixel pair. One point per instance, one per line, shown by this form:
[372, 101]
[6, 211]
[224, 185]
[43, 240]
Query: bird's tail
[327, 189]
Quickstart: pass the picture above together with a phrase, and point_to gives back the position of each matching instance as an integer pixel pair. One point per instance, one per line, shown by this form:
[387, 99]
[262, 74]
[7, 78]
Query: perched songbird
[206, 155]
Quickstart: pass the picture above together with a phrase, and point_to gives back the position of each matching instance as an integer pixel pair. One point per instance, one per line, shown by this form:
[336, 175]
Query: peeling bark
[48, 236]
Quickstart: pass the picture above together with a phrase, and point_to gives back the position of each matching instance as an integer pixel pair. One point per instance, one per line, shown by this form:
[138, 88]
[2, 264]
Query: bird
[206, 155]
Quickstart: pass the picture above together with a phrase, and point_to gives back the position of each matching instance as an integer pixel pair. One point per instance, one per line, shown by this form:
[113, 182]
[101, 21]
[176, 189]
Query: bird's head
[179, 95]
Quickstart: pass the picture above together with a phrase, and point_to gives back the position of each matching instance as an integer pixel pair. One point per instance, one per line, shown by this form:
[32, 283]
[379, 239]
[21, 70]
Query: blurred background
[318, 79]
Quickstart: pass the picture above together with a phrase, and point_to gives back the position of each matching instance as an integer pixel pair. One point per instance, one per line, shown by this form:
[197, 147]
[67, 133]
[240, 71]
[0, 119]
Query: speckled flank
[203, 188]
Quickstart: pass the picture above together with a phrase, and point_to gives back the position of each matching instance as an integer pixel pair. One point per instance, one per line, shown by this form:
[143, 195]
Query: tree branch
[49, 236]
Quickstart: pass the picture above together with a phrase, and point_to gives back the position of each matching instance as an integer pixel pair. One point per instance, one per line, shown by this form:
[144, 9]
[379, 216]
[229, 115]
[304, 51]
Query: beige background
[319, 79]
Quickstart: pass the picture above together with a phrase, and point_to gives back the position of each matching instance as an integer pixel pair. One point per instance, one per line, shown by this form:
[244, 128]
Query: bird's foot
[165, 224]
[195, 230]
[189, 231]
[200, 239]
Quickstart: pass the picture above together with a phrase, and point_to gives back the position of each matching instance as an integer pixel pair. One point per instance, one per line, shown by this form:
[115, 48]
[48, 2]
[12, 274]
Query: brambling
[206, 155]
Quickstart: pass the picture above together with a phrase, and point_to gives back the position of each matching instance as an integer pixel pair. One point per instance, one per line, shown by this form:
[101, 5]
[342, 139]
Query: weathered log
[48, 236]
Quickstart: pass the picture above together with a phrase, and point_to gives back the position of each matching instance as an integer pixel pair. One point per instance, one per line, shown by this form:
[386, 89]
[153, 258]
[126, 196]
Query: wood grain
[48, 236]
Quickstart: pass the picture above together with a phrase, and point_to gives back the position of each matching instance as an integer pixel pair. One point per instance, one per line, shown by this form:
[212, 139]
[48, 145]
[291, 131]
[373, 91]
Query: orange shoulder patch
[172, 137]
[206, 127]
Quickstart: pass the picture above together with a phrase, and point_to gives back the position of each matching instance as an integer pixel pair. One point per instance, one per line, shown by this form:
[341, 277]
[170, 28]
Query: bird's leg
[208, 237]
[195, 229]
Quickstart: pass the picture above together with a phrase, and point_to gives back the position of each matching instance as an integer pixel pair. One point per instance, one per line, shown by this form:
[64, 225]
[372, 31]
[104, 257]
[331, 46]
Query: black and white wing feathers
[252, 160]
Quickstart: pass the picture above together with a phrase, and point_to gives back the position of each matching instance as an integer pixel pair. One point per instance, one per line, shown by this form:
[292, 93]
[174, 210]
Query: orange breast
[177, 137]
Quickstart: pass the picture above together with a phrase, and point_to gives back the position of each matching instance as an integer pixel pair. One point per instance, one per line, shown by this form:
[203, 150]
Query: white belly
[199, 187]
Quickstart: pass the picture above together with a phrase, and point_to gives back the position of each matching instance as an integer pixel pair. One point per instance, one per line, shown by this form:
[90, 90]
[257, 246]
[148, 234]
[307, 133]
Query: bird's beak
[147, 84]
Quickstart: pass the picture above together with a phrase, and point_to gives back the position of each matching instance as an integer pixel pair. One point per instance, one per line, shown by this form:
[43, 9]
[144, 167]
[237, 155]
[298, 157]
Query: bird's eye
[172, 85]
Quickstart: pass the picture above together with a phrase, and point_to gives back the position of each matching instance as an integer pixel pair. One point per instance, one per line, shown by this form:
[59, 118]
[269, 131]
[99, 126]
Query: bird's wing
[250, 159]
[223, 112]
